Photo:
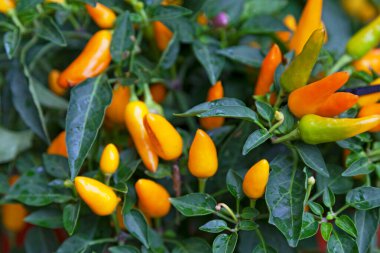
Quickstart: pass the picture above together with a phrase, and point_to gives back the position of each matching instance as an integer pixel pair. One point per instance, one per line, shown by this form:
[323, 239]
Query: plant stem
[293, 135]
[228, 209]
[237, 205]
[116, 223]
[224, 217]
[261, 239]
[252, 203]
[202, 184]
[100, 241]
[341, 210]
[16, 21]
[343, 61]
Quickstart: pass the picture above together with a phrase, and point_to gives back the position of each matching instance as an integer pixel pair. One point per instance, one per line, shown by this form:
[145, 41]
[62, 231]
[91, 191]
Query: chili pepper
[203, 159]
[364, 40]
[120, 218]
[162, 35]
[299, 70]
[319, 97]
[153, 198]
[58, 145]
[369, 62]
[7, 5]
[202, 19]
[93, 60]
[103, 16]
[309, 22]
[55, 1]
[120, 99]
[256, 179]
[361, 9]
[165, 139]
[369, 110]
[215, 92]
[53, 83]
[172, 2]
[134, 120]
[100, 198]
[370, 98]
[109, 161]
[158, 92]
[291, 23]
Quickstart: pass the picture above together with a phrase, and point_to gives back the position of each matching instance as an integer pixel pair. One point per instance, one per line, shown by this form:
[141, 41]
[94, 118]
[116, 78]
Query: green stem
[343, 61]
[293, 135]
[116, 223]
[374, 153]
[16, 21]
[279, 123]
[237, 205]
[341, 210]
[367, 180]
[278, 100]
[252, 203]
[133, 96]
[308, 191]
[100, 241]
[157, 223]
[74, 22]
[223, 38]
[318, 194]
[261, 239]
[107, 179]
[220, 192]
[228, 209]
[224, 217]
[202, 184]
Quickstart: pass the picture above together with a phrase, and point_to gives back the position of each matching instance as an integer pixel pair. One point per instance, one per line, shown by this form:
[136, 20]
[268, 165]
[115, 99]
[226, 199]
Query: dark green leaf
[13, 143]
[309, 226]
[122, 37]
[225, 243]
[346, 224]
[263, 249]
[49, 30]
[249, 213]
[248, 225]
[206, 106]
[70, 217]
[11, 42]
[57, 166]
[336, 182]
[340, 242]
[126, 171]
[237, 112]
[123, 249]
[46, 217]
[359, 167]
[289, 121]
[136, 224]
[366, 223]
[163, 171]
[214, 226]
[169, 12]
[316, 208]
[74, 244]
[326, 229]
[265, 110]
[364, 198]
[192, 245]
[244, 54]
[262, 7]
[48, 99]
[23, 5]
[170, 54]
[328, 198]
[263, 25]
[257, 138]
[234, 184]
[194, 204]
[312, 157]
[40, 240]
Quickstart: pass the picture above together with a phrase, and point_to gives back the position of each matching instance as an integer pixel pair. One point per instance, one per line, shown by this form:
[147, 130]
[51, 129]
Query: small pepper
[55, 1]
[215, 92]
[203, 159]
[202, 19]
[103, 16]
[153, 198]
[101, 199]
[120, 98]
[158, 92]
[7, 5]
[369, 62]
[109, 161]
[291, 23]
[369, 110]
[58, 145]
[370, 98]
[165, 139]
[172, 2]
[361, 9]
[53, 83]
[92, 61]
[162, 35]
[256, 179]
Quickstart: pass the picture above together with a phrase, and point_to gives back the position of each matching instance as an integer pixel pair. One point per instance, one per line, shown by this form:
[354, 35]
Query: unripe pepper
[109, 161]
[58, 145]
[215, 92]
[319, 97]
[103, 16]
[167, 142]
[364, 40]
[369, 110]
[134, 120]
[309, 22]
[256, 179]
[369, 62]
[120, 98]
[162, 35]
[158, 92]
[370, 98]
[93, 60]
[53, 83]
[7, 5]
[203, 159]
[153, 198]
[101, 199]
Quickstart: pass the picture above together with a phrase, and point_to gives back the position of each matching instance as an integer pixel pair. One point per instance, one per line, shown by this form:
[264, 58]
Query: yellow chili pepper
[370, 98]
[215, 92]
[7, 5]
[103, 16]
[55, 1]
[58, 145]
[369, 110]
[109, 161]
[120, 98]
[361, 9]
[256, 180]
[53, 83]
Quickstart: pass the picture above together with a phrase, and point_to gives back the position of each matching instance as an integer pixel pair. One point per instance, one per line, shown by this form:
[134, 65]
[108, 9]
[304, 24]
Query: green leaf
[234, 184]
[289, 121]
[249, 213]
[50, 31]
[255, 139]
[312, 157]
[13, 143]
[340, 242]
[248, 225]
[169, 56]
[309, 226]
[346, 224]
[56, 166]
[225, 243]
[11, 42]
[326, 229]
[206, 106]
[168, 12]
[137, 226]
[285, 195]
[70, 217]
[23, 5]
[328, 198]
[39, 240]
[260, 7]
[243, 54]
[237, 112]
[265, 110]
[74, 244]
[194, 204]
[184, 27]
[210, 60]
[163, 171]
[88, 102]
[123, 249]
[366, 223]
[48, 98]
[214, 226]
[46, 217]
[263, 24]
[192, 245]
[126, 171]
[336, 182]
[122, 37]
[316, 208]
[359, 167]
[263, 249]
[364, 198]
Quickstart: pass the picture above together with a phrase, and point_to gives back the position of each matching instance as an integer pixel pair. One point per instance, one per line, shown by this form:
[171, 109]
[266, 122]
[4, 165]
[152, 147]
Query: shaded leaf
[194, 204]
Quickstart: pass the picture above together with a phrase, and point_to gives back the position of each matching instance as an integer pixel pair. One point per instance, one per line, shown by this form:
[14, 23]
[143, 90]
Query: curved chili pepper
[153, 198]
[309, 22]
[120, 98]
[370, 98]
[93, 60]
[53, 83]
[158, 92]
[103, 16]
[256, 179]
[361, 9]
[368, 110]
[364, 40]
[100, 198]
[162, 35]
[319, 97]
[134, 120]
[109, 161]
[167, 142]
[369, 62]
[58, 145]
[291, 23]
[215, 92]
[7, 5]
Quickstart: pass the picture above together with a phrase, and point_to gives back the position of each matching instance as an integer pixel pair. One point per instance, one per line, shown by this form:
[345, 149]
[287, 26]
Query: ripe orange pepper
[109, 161]
[202, 19]
[103, 16]
[172, 2]
[256, 179]
[120, 218]
[58, 145]
[7, 5]
[53, 83]
[369, 110]
[55, 1]
[361, 9]
[134, 120]
[203, 159]
[215, 92]
[291, 23]
[162, 35]
[158, 92]
[370, 98]
[120, 99]
[93, 60]
[309, 22]
[153, 198]
[100, 198]
[370, 61]
[167, 142]
[319, 97]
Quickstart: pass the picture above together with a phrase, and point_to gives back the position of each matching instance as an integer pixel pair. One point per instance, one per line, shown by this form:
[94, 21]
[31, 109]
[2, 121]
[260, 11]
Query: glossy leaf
[359, 167]
[243, 54]
[122, 37]
[364, 198]
[56, 166]
[316, 208]
[328, 198]
[169, 56]
[234, 184]
[70, 217]
[46, 217]
[224, 243]
[255, 139]
[346, 224]
[336, 182]
[206, 106]
[123, 249]
[214, 226]
[309, 226]
[237, 112]
[12, 143]
[265, 110]
[136, 224]
[168, 12]
[11, 42]
[340, 242]
[366, 223]
[39, 240]
[326, 229]
[248, 225]
[49, 30]
[312, 157]
[192, 245]
[194, 204]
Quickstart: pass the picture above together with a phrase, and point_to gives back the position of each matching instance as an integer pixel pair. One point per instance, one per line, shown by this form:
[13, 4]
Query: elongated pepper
[215, 92]
[103, 16]
[368, 110]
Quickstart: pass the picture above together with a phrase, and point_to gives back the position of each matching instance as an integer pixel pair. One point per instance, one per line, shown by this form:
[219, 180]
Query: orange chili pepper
[309, 22]
[53, 83]
[319, 97]
[93, 60]
[370, 98]
[162, 35]
[120, 99]
[215, 92]
[103, 16]
[202, 19]
[370, 61]
[158, 92]
[134, 120]
[369, 110]
[58, 145]
[172, 2]
[291, 23]
[256, 179]
[7, 5]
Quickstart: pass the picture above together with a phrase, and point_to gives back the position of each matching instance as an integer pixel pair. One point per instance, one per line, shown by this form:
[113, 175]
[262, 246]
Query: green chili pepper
[299, 70]
[364, 40]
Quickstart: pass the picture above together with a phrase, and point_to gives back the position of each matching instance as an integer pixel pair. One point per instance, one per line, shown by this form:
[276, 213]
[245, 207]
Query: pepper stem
[202, 184]
[153, 106]
[133, 96]
[343, 61]
[293, 135]
[252, 203]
